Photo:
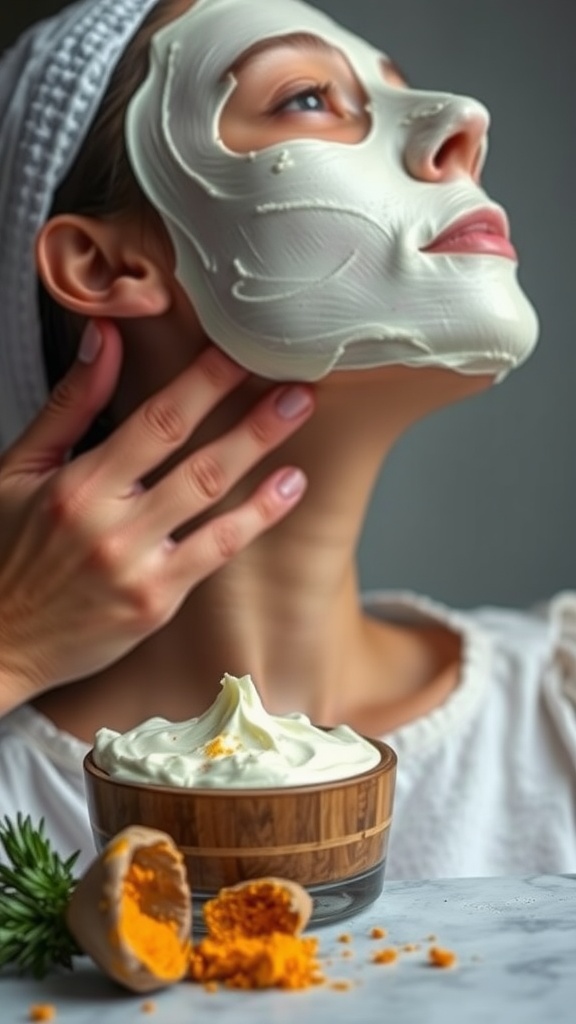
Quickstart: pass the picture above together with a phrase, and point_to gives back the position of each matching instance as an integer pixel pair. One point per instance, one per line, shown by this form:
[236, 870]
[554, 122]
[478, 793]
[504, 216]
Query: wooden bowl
[332, 838]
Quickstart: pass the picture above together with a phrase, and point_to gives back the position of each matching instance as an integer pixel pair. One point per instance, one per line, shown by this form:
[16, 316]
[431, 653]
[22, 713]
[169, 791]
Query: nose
[447, 139]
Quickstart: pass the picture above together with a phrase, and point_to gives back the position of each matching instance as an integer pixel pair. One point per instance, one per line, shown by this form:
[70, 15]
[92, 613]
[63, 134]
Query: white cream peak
[235, 744]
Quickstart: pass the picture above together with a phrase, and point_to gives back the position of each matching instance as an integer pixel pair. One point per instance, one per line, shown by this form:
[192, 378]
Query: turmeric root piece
[254, 938]
[258, 907]
[132, 910]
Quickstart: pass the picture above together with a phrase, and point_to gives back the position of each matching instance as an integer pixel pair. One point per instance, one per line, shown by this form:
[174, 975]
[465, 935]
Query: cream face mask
[308, 255]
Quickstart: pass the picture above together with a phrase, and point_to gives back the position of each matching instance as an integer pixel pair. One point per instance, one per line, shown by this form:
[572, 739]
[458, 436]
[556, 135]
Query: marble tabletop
[514, 938]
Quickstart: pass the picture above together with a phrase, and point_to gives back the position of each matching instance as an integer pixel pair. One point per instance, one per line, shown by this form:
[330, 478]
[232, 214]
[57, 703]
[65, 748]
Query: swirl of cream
[235, 744]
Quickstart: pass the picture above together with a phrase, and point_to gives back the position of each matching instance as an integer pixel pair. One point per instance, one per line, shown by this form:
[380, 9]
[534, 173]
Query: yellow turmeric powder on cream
[219, 747]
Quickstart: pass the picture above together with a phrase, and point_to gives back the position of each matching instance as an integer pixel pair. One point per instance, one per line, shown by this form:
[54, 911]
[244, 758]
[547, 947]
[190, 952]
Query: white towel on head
[51, 85]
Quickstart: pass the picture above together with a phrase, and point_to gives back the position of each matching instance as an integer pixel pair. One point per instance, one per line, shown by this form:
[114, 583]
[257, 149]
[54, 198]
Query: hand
[88, 563]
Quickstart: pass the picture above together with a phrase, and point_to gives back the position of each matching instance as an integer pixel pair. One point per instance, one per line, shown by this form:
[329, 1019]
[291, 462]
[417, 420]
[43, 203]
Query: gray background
[478, 503]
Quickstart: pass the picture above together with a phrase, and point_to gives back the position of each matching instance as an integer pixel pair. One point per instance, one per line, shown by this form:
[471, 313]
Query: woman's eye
[313, 99]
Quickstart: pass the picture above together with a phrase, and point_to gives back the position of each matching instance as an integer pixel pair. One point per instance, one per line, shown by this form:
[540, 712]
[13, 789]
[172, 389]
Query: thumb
[74, 403]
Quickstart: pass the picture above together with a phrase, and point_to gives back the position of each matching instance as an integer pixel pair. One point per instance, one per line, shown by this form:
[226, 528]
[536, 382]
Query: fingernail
[291, 484]
[90, 344]
[293, 402]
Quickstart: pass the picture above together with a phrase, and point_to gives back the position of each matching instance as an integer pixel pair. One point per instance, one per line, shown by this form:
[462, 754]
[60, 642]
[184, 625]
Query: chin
[496, 333]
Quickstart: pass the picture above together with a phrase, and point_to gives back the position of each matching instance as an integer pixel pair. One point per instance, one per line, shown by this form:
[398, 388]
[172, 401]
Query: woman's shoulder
[41, 776]
[518, 670]
[29, 731]
[496, 763]
[534, 653]
[537, 632]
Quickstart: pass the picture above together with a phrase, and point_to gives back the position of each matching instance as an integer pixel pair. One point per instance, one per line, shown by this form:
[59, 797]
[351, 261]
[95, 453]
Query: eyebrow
[294, 39]
[307, 39]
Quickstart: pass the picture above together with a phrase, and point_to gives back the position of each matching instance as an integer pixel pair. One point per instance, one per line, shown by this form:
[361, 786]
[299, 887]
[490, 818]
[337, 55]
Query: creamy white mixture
[235, 744]
[308, 255]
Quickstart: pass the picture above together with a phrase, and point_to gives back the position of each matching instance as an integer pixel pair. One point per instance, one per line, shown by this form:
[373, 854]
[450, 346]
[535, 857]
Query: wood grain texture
[311, 834]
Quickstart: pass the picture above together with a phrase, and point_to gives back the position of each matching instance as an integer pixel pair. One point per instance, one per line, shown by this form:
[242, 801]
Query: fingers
[202, 479]
[218, 541]
[73, 404]
[167, 419]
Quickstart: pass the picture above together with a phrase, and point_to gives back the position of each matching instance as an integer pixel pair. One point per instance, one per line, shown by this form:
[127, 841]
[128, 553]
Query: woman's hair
[101, 184]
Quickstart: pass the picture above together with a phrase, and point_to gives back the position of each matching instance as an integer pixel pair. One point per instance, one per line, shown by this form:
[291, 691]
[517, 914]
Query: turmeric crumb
[341, 986]
[149, 1006]
[410, 947]
[345, 937]
[378, 933]
[431, 938]
[439, 957]
[42, 1011]
[385, 956]
[211, 986]
[347, 953]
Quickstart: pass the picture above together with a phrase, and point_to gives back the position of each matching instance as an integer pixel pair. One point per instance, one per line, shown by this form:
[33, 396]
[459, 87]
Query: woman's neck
[287, 610]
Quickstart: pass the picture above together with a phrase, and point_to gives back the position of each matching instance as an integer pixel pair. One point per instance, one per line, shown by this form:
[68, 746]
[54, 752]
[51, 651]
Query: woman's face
[324, 216]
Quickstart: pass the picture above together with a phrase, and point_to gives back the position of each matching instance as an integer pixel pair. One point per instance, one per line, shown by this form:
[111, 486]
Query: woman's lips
[481, 232]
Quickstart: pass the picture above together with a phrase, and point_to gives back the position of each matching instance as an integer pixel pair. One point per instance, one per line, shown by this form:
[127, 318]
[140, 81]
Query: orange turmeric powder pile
[276, 960]
[252, 941]
[153, 939]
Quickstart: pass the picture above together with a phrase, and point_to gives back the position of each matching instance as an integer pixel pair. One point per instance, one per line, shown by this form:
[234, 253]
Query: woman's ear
[98, 268]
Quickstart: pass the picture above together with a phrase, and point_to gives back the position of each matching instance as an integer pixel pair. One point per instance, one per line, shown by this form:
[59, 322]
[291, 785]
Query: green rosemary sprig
[35, 889]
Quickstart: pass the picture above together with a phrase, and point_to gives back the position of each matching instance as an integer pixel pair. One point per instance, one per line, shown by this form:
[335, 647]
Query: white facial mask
[306, 256]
